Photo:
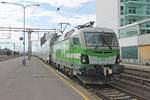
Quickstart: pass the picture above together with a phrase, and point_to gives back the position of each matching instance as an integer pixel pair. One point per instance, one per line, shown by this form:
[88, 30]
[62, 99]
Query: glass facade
[145, 28]
[129, 52]
[128, 31]
[133, 10]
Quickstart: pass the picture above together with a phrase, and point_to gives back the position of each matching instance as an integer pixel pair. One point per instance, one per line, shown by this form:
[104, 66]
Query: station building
[134, 30]
[134, 42]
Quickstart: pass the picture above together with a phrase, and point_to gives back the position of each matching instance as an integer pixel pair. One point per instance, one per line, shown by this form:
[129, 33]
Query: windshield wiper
[106, 42]
[97, 42]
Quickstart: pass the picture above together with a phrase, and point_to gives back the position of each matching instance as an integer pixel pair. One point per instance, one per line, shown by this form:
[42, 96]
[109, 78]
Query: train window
[109, 39]
[92, 38]
[76, 41]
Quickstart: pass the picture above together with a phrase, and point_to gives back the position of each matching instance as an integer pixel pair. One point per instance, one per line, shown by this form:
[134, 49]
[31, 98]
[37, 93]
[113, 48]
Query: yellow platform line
[60, 77]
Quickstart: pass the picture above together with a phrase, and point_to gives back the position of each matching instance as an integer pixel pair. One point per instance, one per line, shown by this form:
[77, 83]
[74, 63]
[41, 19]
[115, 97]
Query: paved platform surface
[32, 82]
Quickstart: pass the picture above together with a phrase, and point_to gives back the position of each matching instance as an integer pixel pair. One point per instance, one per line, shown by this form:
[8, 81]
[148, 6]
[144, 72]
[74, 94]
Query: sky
[45, 16]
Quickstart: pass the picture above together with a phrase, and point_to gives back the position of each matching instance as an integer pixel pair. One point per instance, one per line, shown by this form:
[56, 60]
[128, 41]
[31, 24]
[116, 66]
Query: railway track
[7, 58]
[111, 92]
[144, 82]
[136, 81]
[139, 77]
[124, 87]
[139, 92]
[137, 72]
[3, 58]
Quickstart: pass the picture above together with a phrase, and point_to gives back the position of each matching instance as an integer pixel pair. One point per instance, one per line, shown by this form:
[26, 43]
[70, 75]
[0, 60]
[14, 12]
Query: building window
[148, 11]
[131, 21]
[121, 7]
[122, 22]
[132, 10]
[134, 0]
[148, 31]
[148, 25]
[128, 31]
[148, 0]
[129, 52]
[143, 32]
[122, 10]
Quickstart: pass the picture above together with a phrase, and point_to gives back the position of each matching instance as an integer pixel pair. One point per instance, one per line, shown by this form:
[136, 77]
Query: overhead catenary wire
[18, 29]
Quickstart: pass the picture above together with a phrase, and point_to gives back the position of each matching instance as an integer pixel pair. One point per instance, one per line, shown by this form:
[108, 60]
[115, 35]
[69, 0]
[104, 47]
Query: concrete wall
[144, 39]
[130, 41]
[107, 14]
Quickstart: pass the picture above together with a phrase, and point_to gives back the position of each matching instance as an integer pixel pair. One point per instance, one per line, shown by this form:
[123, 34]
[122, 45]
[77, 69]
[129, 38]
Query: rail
[112, 92]
[134, 80]
[7, 58]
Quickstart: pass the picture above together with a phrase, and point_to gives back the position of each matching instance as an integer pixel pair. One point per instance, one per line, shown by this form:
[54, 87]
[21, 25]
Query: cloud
[41, 13]
[77, 20]
[11, 15]
[9, 12]
[14, 15]
[10, 22]
[54, 17]
[64, 3]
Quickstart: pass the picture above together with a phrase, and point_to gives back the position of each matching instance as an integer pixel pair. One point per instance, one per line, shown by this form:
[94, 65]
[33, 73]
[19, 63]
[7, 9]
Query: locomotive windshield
[96, 39]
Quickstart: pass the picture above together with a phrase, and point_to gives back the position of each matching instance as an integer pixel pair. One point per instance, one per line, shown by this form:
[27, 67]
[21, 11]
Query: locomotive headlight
[84, 59]
[118, 60]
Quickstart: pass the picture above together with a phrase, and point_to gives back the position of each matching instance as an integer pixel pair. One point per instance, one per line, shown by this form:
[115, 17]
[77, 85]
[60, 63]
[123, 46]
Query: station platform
[36, 81]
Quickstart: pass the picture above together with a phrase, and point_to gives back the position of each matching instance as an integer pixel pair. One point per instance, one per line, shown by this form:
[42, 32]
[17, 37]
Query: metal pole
[14, 47]
[29, 44]
[24, 7]
[138, 46]
[24, 59]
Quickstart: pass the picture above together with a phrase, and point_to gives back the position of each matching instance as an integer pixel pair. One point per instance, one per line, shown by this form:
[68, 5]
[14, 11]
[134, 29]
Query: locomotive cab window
[92, 39]
[109, 39]
[100, 39]
[76, 41]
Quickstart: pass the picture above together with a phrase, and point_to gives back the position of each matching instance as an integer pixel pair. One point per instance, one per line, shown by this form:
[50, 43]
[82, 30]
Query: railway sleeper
[125, 97]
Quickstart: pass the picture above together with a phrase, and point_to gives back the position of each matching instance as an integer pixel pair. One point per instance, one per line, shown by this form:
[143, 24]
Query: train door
[76, 50]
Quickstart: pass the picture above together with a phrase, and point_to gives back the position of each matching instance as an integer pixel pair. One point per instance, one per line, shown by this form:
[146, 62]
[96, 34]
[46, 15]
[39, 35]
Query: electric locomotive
[90, 53]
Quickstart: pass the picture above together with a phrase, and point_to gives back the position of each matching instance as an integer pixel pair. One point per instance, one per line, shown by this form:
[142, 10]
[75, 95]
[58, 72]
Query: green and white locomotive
[90, 53]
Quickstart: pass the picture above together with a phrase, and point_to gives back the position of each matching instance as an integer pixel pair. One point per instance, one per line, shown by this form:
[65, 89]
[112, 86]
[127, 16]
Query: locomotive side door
[76, 50]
